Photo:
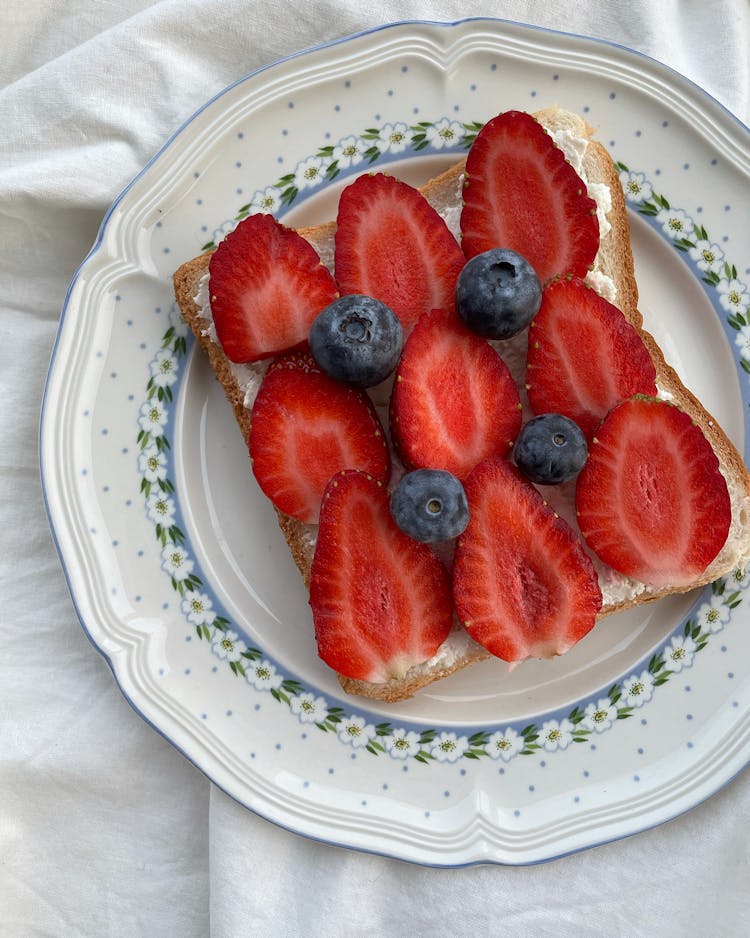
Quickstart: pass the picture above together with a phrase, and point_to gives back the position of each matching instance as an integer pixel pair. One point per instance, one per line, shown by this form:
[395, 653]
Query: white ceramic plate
[175, 563]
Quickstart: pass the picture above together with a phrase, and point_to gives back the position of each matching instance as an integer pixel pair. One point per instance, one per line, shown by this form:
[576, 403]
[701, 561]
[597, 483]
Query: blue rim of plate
[730, 328]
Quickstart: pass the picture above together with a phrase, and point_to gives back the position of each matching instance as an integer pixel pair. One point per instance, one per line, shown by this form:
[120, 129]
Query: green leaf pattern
[692, 239]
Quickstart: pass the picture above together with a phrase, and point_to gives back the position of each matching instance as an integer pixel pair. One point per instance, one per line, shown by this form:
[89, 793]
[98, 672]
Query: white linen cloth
[105, 829]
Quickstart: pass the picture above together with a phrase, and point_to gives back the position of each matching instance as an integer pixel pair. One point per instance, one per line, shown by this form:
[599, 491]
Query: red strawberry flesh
[391, 244]
[380, 600]
[584, 356]
[266, 285]
[651, 500]
[520, 193]
[522, 583]
[454, 401]
[305, 427]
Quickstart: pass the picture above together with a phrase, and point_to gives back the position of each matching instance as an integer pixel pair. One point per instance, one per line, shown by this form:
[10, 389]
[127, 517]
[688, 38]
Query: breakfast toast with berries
[647, 496]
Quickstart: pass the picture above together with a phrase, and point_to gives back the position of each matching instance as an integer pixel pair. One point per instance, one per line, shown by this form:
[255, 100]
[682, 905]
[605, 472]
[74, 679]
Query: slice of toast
[613, 275]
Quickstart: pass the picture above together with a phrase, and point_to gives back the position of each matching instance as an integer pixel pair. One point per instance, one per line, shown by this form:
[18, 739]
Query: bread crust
[615, 260]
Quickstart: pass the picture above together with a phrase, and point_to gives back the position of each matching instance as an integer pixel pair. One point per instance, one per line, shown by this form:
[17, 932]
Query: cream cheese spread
[615, 587]
[574, 149]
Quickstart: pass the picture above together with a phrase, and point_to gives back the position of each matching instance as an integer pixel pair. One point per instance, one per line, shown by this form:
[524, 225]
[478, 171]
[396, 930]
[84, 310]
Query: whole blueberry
[550, 449]
[357, 339]
[498, 293]
[430, 505]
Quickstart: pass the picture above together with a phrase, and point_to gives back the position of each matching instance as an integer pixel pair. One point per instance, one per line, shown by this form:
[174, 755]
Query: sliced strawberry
[651, 500]
[522, 583]
[381, 601]
[391, 244]
[305, 427]
[267, 285]
[584, 356]
[454, 401]
[520, 193]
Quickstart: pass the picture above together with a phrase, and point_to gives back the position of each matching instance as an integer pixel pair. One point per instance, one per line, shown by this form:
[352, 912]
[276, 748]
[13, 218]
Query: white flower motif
[444, 133]
[266, 200]
[505, 744]
[637, 188]
[394, 138]
[679, 653]
[556, 735]
[355, 732]
[262, 675]
[309, 708]
[227, 645]
[349, 152]
[153, 417]
[402, 744]
[675, 222]
[714, 615]
[176, 562]
[448, 747]
[600, 716]
[224, 229]
[160, 509]
[164, 369]
[707, 256]
[309, 172]
[742, 341]
[152, 464]
[733, 296]
[197, 608]
[638, 689]
[739, 578]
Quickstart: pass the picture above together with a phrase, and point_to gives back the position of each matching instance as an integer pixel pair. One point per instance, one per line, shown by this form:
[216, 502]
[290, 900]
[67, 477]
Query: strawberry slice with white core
[305, 427]
[584, 356]
[520, 193]
[391, 244]
[522, 583]
[381, 601]
[651, 500]
[266, 286]
[454, 401]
